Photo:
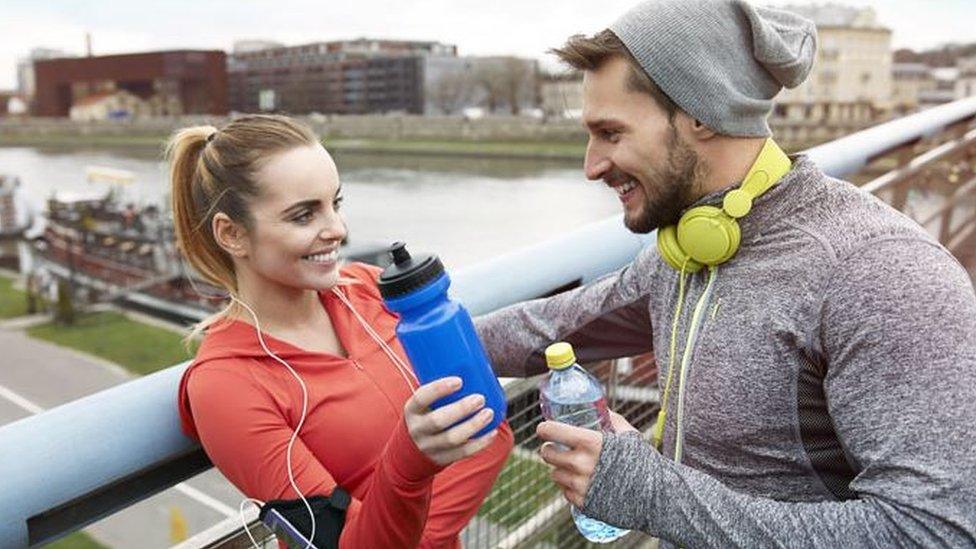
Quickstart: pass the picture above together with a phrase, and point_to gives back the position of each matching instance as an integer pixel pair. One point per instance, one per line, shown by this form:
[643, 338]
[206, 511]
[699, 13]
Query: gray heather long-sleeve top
[839, 323]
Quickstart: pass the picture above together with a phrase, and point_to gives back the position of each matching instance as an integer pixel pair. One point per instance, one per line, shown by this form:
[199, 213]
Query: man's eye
[611, 135]
[337, 202]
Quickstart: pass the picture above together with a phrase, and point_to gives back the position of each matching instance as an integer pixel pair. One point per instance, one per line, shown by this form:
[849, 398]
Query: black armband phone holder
[289, 520]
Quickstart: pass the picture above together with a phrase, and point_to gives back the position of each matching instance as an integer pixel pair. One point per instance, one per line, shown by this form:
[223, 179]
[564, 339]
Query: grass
[78, 540]
[140, 348]
[509, 149]
[13, 302]
[520, 491]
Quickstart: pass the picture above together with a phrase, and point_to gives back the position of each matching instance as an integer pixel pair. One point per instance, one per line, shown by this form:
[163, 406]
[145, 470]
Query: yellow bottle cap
[560, 356]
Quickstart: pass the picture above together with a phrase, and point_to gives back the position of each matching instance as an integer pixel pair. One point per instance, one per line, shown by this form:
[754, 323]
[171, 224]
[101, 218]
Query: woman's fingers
[443, 418]
[425, 395]
[458, 435]
[444, 434]
[468, 449]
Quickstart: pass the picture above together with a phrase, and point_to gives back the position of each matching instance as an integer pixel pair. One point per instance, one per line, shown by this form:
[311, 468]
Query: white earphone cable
[298, 428]
[406, 372]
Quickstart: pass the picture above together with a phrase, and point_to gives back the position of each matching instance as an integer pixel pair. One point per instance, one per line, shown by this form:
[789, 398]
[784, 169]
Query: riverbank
[414, 147]
[492, 137]
[432, 136]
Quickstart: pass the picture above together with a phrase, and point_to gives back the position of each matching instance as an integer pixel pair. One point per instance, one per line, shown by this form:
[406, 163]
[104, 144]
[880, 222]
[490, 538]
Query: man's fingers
[619, 423]
[557, 457]
[574, 437]
[573, 498]
[425, 395]
[570, 484]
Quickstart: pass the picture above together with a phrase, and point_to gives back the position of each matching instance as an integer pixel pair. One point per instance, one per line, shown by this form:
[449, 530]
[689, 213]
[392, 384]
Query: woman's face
[297, 228]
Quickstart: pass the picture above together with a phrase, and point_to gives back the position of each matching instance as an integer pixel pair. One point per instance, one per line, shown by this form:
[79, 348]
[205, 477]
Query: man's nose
[596, 163]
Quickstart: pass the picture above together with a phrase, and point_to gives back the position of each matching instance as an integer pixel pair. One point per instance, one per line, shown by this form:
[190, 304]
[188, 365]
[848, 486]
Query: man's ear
[230, 235]
[700, 131]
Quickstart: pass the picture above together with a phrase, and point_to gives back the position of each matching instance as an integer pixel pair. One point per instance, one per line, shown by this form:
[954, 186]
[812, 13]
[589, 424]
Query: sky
[485, 27]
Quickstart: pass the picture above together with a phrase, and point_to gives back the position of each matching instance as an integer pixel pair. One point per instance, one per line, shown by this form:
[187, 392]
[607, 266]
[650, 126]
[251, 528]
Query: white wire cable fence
[525, 508]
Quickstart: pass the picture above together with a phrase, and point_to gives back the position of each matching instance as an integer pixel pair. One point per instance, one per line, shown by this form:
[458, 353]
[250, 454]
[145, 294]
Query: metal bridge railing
[72, 465]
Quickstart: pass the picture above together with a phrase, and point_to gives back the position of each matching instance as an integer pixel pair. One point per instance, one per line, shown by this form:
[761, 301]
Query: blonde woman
[300, 392]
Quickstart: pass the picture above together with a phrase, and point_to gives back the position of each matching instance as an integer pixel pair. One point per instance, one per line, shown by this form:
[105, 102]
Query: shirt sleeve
[898, 330]
[608, 318]
[246, 436]
[460, 489]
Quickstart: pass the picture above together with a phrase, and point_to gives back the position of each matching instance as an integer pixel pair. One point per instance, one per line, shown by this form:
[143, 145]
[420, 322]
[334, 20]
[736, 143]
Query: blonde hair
[213, 171]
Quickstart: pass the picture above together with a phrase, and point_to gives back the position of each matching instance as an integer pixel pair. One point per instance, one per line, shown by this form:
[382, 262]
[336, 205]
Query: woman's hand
[434, 431]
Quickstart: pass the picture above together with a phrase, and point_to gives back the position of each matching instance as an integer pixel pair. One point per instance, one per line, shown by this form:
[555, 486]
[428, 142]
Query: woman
[307, 348]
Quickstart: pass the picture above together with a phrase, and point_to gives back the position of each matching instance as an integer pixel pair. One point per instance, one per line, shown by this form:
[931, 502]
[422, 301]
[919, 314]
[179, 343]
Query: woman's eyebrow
[311, 203]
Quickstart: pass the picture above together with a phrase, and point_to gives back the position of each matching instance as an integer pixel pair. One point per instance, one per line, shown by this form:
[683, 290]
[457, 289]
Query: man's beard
[668, 191]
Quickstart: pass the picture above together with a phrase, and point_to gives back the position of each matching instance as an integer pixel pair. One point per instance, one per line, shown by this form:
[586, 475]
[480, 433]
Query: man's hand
[575, 465]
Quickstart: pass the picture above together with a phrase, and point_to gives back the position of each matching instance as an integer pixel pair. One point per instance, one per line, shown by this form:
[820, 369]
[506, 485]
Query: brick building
[344, 77]
[171, 82]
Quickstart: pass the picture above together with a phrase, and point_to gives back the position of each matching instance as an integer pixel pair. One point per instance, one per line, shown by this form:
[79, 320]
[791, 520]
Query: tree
[451, 92]
[506, 81]
[64, 311]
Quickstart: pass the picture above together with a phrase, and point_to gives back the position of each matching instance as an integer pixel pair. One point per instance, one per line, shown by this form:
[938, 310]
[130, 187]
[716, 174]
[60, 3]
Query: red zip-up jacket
[244, 406]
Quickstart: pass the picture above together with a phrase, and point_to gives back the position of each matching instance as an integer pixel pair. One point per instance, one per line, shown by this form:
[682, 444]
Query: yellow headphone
[707, 235]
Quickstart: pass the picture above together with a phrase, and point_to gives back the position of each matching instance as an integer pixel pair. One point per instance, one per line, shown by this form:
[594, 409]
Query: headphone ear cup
[667, 245]
[708, 235]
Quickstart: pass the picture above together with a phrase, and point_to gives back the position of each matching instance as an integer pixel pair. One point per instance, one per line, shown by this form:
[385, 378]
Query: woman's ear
[230, 235]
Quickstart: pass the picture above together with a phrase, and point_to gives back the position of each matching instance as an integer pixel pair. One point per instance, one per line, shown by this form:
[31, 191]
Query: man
[817, 350]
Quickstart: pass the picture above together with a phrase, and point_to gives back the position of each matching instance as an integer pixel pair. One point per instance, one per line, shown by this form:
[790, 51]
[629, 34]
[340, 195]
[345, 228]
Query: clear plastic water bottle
[569, 394]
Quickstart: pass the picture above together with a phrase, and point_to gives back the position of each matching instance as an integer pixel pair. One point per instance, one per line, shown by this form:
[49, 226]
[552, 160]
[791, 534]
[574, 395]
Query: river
[464, 209]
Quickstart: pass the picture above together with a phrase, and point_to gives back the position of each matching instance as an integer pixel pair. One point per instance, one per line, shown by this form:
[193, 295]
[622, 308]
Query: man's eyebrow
[601, 123]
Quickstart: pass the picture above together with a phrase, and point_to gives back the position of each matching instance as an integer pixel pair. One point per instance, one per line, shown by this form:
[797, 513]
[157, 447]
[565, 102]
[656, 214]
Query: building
[946, 80]
[110, 105]
[966, 81]
[852, 73]
[172, 82]
[496, 85]
[910, 82]
[562, 95]
[5, 98]
[345, 77]
[15, 106]
[25, 68]
[248, 46]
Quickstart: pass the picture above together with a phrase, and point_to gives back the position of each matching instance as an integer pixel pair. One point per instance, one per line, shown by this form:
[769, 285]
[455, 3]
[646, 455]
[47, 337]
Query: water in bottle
[571, 395]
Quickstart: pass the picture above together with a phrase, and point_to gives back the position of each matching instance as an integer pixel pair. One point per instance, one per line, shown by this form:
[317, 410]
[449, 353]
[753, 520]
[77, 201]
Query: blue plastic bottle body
[440, 340]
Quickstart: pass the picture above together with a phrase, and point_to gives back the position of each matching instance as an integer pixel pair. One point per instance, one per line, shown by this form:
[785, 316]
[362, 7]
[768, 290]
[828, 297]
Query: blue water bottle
[437, 332]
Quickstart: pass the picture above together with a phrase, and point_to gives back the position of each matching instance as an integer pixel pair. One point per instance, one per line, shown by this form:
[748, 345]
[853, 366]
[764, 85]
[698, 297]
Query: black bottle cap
[408, 273]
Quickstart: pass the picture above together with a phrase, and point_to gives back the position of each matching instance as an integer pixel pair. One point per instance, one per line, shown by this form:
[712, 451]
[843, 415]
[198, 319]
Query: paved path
[36, 375]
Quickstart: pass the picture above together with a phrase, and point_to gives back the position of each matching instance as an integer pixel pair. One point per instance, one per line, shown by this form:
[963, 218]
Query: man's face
[636, 150]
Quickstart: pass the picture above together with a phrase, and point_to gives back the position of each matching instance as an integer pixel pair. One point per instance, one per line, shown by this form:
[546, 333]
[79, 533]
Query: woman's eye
[337, 202]
[303, 217]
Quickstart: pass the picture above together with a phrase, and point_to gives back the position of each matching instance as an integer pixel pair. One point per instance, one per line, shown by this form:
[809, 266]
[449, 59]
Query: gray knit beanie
[721, 61]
